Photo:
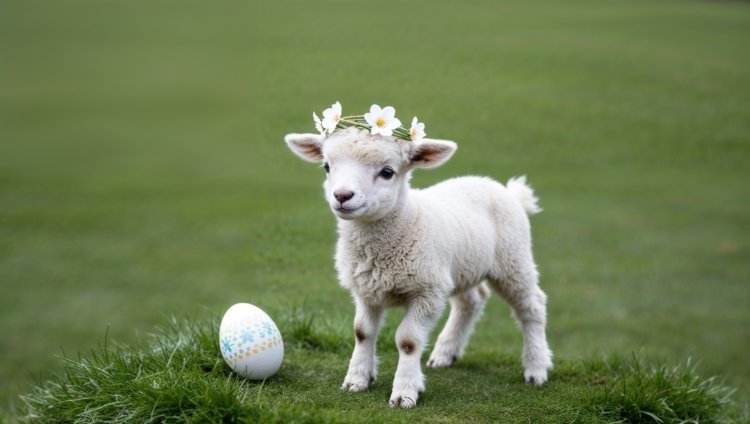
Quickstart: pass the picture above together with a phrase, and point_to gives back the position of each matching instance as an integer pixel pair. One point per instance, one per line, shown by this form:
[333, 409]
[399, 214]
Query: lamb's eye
[387, 173]
[326, 167]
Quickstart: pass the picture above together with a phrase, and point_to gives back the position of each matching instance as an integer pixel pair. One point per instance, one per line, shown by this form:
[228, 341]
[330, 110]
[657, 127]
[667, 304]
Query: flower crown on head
[378, 121]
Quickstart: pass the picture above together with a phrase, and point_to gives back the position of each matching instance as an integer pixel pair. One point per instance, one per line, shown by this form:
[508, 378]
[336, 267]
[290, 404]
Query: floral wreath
[378, 121]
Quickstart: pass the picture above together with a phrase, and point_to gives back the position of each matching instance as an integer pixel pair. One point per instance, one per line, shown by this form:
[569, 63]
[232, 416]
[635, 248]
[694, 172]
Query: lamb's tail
[524, 193]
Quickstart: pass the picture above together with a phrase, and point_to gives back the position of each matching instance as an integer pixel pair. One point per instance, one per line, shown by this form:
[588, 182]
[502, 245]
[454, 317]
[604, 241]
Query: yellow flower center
[380, 122]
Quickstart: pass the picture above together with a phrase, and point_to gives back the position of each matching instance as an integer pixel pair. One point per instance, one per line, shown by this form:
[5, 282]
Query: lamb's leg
[466, 308]
[411, 338]
[529, 304]
[363, 367]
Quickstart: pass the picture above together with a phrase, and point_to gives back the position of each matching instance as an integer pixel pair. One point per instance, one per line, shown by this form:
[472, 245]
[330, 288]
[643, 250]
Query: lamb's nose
[343, 195]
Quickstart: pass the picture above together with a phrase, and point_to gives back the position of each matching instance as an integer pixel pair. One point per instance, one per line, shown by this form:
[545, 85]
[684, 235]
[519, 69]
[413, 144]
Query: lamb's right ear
[307, 146]
[431, 153]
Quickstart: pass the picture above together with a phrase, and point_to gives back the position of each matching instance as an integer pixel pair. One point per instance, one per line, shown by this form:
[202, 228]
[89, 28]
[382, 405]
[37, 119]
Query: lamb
[421, 249]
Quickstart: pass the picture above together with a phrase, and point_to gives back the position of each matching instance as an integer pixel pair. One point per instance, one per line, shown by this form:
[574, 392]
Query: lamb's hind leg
[466, 307]
[529, 304]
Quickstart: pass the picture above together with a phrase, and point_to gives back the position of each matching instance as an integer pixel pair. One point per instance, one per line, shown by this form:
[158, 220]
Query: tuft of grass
[303, 331]
[178, 375]
[640, 393]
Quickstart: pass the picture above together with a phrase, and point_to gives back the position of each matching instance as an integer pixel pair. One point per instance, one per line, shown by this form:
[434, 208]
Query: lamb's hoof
[441, 361]
[404, 401]
[535, 377]
[351, 387]
[356, 383]
[405, 395]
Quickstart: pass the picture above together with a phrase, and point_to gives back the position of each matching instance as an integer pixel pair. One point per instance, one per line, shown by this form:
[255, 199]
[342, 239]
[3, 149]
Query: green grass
[674, 394]
[143, 174]
[178, 375]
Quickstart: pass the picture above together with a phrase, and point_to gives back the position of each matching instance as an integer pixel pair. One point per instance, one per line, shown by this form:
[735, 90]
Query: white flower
[318, 124]
[331, 117]
[417, 130]
[382, 121]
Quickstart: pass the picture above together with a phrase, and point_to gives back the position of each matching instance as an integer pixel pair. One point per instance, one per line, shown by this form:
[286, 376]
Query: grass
[178, 375]
[663, 394]
[143, 174]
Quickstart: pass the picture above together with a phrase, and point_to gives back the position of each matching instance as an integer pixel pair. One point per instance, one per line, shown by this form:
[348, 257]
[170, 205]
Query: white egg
[250, 342]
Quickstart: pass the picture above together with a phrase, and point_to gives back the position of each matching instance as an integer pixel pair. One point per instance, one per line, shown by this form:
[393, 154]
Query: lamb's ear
[307, 146]
[430, 153]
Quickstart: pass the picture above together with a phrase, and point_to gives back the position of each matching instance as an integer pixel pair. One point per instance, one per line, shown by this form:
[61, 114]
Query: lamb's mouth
[344, 210]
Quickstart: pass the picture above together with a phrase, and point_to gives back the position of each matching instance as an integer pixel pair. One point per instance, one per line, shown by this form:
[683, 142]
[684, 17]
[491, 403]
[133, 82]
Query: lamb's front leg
[411, 338]
[363, 367]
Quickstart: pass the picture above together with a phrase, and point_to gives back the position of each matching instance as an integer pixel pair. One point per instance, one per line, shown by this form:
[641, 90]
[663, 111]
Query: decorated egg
[250, 342]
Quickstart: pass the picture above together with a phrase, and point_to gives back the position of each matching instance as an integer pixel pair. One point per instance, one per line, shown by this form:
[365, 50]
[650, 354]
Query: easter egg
[250, 342]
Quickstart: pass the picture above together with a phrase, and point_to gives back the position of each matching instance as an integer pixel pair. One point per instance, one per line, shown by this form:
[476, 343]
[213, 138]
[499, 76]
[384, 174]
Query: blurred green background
[143, 172]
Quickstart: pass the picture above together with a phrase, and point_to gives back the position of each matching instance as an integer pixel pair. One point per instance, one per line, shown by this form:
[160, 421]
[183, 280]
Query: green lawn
[179, 376]
[143, 172]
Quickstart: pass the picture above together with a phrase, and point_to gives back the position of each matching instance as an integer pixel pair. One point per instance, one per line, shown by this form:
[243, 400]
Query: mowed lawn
[143, 172]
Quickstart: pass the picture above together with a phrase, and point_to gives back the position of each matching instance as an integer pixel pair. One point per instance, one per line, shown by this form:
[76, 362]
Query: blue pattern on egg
[226, 345]
[248, 335]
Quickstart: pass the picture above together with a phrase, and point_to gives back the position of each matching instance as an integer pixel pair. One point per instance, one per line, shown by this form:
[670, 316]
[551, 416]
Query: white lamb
[418, 249]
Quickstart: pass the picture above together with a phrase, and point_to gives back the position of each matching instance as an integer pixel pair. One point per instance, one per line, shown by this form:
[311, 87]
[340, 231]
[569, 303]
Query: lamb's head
[367, 176]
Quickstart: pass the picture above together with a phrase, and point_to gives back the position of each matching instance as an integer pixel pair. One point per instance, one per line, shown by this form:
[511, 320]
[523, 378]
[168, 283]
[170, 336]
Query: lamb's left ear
[431, 153]
[307, 146]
